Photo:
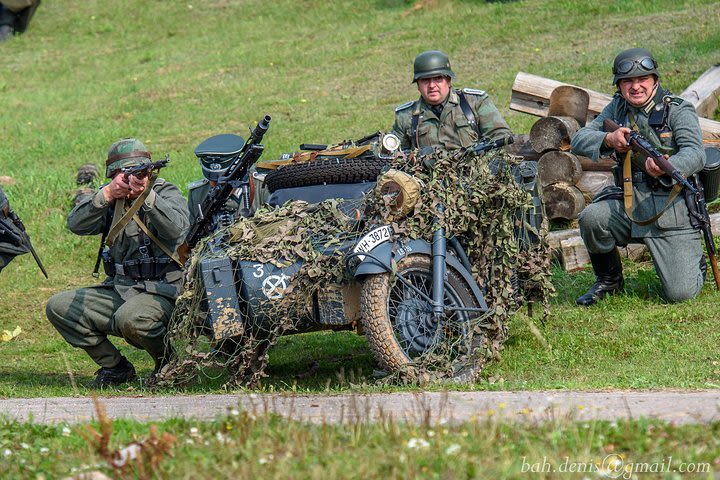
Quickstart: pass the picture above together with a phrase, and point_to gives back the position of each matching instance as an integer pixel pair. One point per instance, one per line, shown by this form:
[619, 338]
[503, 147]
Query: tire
[325, 170]
[399, 324]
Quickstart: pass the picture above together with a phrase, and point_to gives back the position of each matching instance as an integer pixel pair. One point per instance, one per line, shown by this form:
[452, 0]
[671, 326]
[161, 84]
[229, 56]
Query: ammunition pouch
[151, 268]
[710, 174]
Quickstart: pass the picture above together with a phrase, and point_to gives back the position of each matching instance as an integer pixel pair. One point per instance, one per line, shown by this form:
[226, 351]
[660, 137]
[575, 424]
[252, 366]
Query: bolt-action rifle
[218, 195]
[20, 239]
[694, 193]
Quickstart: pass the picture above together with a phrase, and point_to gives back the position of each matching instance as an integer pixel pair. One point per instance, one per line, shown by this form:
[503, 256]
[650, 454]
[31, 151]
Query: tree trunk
[553, 133]
[521, 147]
[562, 201]
[592, 183]
[556, 166]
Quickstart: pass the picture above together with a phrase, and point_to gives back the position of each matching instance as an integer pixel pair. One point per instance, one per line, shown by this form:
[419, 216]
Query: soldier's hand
[652, 167]
[117, 188]
[617, 141]
[137, 185]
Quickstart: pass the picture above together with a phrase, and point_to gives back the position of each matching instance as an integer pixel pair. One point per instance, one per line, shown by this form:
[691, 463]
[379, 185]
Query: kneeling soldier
[142, 221]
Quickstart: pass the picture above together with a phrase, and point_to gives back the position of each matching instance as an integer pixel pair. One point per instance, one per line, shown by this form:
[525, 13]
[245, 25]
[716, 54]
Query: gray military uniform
[197, 191]
[127, 304]
[451, 129]
[676, 248]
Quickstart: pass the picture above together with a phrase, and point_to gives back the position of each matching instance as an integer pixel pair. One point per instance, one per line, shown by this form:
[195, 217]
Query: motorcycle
[416, 299]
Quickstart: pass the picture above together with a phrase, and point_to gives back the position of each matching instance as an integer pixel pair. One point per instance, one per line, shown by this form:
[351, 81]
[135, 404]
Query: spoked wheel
[403, 331]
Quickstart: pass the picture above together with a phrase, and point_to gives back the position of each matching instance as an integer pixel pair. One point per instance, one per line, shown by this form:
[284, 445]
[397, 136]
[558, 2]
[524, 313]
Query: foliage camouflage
[482, 208]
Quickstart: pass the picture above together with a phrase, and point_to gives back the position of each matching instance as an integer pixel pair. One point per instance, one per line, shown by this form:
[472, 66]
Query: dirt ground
[433, 407]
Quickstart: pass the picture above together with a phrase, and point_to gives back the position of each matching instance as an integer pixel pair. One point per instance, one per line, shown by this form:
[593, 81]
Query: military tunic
[451, 129]
[136, 309]
[197, 191]
[676, 248]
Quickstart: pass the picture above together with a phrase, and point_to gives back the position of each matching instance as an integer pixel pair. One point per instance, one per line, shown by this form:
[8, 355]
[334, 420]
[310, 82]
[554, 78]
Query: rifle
[642, 146]
[694, 194]
[218, 195]
[144, 169]
[21, 239]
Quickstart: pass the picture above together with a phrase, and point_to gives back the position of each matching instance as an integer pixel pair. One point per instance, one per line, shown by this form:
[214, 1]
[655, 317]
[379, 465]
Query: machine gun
[217, 196]
[17, 235]
[144, 169]
[694, 193]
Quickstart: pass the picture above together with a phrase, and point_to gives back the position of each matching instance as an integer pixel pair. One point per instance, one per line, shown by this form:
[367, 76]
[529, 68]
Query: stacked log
[568, 181]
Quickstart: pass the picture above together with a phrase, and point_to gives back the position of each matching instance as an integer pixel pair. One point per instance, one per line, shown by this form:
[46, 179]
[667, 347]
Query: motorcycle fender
[382, 256]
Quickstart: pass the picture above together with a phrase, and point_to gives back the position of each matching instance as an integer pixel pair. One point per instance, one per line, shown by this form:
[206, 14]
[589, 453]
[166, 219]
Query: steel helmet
[432, 63]
[634, 62]
[127, 152]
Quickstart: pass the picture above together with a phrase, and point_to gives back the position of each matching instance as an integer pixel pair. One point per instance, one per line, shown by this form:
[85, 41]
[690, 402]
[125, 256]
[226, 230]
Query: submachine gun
[694, 191]
[217, 196]
[13, 229]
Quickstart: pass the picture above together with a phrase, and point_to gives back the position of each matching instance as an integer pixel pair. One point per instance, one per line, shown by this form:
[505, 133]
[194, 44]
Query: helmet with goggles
[634, 62]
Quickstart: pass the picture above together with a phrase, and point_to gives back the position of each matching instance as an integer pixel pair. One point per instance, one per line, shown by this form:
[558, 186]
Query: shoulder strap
[465, 106]
[157, 241]
[414, 139]
[119, 224]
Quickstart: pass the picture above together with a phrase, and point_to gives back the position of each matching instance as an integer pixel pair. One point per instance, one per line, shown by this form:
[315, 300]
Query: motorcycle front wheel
[403, 332]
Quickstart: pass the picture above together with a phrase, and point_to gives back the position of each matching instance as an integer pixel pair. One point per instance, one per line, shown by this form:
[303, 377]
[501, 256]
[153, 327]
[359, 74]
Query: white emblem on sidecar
[274, 286]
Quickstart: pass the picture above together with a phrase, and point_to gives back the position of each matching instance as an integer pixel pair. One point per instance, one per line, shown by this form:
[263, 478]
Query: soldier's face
[434, 89]
[637, 90]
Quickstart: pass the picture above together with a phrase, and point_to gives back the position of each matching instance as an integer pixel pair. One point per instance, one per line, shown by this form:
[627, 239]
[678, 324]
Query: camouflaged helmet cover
[432, 63]
[127, 152]
[636, 56]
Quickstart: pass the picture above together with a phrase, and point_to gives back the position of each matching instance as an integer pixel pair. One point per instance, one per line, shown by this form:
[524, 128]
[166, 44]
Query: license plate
[372, 239]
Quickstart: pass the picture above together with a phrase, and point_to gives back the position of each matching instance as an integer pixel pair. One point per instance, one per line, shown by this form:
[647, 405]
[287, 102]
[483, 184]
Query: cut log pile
[570, 181]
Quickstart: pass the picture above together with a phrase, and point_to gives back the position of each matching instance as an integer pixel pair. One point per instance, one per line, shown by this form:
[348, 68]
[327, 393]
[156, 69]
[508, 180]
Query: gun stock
[219, 194]
[143, 170]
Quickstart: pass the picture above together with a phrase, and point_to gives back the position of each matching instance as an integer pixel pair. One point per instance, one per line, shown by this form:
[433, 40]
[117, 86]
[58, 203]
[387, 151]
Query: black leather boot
[608, 270]
[121, 373]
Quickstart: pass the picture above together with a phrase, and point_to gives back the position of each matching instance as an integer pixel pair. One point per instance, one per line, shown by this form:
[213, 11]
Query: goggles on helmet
[626, 66]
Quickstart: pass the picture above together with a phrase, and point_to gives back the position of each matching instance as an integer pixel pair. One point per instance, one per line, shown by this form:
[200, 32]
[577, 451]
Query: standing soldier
[444, 115]
[650, 214]
[11, 244]
[142, 221]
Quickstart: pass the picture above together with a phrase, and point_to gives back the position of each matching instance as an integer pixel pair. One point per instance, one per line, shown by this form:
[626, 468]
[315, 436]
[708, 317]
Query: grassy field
[173, 73]
[241, 445]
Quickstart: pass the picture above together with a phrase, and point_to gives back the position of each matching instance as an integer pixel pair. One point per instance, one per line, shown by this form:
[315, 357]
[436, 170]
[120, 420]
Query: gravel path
[533, 406]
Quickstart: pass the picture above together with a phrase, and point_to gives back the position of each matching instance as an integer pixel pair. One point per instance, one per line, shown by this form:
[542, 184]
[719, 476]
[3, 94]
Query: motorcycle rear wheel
[401, 329]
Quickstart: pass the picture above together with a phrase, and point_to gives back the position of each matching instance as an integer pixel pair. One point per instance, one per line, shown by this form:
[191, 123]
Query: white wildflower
[417, 443]
[66, 431]
[452, 449]
[7, 452]
[44, 450]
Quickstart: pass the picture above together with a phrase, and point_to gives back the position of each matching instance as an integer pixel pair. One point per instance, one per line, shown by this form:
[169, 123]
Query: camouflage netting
[484, 210]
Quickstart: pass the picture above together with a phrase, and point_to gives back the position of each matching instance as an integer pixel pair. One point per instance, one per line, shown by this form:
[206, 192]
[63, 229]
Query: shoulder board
[198, 183]
[404, 106]
[473, 91]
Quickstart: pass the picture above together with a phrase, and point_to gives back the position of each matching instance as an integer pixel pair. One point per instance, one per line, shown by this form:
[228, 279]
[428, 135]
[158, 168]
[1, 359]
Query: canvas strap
[119, 224]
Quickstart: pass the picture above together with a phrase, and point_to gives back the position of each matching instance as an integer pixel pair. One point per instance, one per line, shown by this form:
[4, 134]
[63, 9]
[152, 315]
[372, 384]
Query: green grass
[242, 445]
[172, 73]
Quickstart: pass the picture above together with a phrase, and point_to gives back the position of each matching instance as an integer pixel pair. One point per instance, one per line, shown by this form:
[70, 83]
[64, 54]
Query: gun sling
[628, 190]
